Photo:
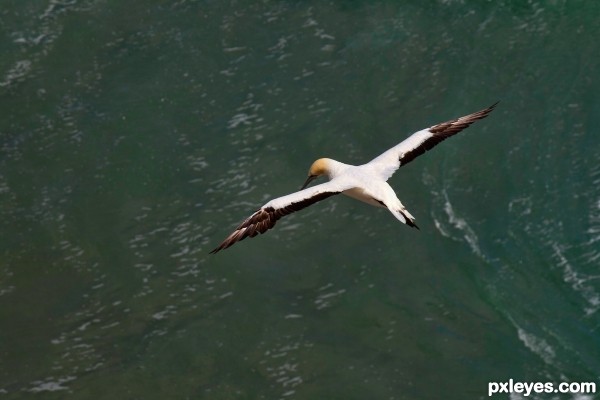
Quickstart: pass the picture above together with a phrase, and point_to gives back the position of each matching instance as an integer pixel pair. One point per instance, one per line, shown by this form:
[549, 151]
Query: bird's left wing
[419, 142]
[264, 218]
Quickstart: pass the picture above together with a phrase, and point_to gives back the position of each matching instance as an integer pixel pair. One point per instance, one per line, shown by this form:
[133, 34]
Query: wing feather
[265, 218]
[420, 142]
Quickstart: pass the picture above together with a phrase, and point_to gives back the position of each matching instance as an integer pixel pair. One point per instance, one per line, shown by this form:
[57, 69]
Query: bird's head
[318, 168]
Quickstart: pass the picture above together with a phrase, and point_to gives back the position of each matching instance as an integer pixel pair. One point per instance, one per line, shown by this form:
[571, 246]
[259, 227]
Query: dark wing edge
[265, 218]
[443, 131]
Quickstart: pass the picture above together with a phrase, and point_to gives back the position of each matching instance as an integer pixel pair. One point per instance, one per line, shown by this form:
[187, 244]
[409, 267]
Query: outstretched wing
[266, 217]
[419, 142]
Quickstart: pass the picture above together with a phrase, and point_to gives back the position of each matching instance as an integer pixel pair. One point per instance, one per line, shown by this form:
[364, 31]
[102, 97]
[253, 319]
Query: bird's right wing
[419, 142]
[265, 218]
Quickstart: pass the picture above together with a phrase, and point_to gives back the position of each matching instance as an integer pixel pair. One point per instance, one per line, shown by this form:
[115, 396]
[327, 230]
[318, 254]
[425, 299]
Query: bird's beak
[309, 180]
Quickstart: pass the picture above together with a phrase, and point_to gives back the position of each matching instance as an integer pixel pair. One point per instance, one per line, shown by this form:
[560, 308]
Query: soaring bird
[366, 182]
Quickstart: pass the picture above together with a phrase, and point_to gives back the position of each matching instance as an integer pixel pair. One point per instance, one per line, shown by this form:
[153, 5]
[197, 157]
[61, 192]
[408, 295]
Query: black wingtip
[485, 112]
[216, 250]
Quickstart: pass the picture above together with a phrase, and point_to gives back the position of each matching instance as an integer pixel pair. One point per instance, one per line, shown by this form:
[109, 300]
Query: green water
[135, 136]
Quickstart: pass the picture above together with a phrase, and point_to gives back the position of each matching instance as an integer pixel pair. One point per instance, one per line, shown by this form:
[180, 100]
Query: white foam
[460, 224]
[537, 345]
[51, 384]
[577, 281]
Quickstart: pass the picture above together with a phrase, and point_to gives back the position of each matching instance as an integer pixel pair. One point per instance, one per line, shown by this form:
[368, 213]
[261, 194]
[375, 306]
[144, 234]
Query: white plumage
[367, 182]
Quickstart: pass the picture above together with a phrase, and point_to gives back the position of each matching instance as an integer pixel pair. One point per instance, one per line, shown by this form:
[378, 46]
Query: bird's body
[367, 182]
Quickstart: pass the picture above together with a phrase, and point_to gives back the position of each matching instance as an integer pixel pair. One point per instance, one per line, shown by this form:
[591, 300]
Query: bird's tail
[404, 216]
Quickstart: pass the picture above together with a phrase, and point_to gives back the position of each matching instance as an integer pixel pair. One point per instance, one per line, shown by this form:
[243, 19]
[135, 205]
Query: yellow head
[318, 168]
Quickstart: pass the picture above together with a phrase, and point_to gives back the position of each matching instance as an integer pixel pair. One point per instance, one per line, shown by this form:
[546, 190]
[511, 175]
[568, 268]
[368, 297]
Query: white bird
[367, 182]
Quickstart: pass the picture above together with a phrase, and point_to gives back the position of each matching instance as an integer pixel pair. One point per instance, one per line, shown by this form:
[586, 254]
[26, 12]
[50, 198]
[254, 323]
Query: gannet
[367, 182]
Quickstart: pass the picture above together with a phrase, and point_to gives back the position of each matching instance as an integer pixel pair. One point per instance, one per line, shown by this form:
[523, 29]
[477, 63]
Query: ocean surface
[134, 136]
